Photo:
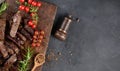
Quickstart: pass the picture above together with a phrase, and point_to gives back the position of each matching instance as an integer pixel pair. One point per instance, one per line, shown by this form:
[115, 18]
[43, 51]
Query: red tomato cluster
[37, 38]
[21, 7]
[32, 24]
[34, 3]
[25, 8]
[31, 2]
[21, 1]
[38, 4]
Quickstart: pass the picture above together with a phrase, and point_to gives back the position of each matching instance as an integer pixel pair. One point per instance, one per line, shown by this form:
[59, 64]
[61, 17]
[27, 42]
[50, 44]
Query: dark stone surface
[94, 42]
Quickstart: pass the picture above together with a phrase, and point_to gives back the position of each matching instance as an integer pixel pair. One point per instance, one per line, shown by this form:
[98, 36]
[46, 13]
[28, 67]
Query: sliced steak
[4, 69]
[10, 51]
[29, 30]
[13, 68]
[1, 61]
[2, 29]
[10, 61]
[12, 46]
[26, 34]
[14, 41]
[15, 24]
[21, 42]
[21, 36]
[3, 50]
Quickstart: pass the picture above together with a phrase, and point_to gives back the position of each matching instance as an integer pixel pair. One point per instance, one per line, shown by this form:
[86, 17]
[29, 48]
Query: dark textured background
[94, 43]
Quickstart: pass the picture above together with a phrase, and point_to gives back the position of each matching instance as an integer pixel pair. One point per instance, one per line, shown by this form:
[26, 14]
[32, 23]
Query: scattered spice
[50, 56]
[53, 56]
[59, 53]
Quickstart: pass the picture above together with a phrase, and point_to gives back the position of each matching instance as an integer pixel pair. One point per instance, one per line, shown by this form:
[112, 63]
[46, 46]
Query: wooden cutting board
[46, 14]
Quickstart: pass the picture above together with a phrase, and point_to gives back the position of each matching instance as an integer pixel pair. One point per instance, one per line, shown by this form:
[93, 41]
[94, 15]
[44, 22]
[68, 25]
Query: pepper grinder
[61, 33]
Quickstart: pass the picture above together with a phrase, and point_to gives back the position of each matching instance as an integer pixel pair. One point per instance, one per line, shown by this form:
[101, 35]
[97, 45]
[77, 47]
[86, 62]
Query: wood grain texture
[46, 14]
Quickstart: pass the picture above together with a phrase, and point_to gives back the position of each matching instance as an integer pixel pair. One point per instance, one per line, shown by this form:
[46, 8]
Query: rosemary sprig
[24, 64]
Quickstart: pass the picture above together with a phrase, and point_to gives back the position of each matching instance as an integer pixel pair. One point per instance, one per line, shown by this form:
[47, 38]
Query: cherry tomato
[21, 1]
[38, 44]
[30, 1]
[35, 37]
[33, 14]
[30, 23]
[40, 37]
[35, 40]
[39, 40]
[42, 32]
[39, 4]
[33, 44]
[21, 7]
[36, 32]
[34, 26]
[27, 9]
[34, 3]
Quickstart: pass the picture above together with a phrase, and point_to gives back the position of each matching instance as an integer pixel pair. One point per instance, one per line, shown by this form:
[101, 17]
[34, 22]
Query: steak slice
[21, 36]
[14, 41]
[29, 30]
[26, 34]
[3, 50]
[9, 50]
[10, 61]
[4, 69]
[15, 24]
[2, 29]
[12, 46]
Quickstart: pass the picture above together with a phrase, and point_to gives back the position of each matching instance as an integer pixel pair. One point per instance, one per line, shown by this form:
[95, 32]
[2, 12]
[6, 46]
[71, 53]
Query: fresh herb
[24, 64]
[34, 16]
[3, 7]
[33, 9]
[17, 1]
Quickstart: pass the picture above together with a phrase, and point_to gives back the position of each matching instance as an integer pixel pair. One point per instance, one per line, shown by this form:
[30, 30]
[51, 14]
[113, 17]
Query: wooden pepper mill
[61, 34]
